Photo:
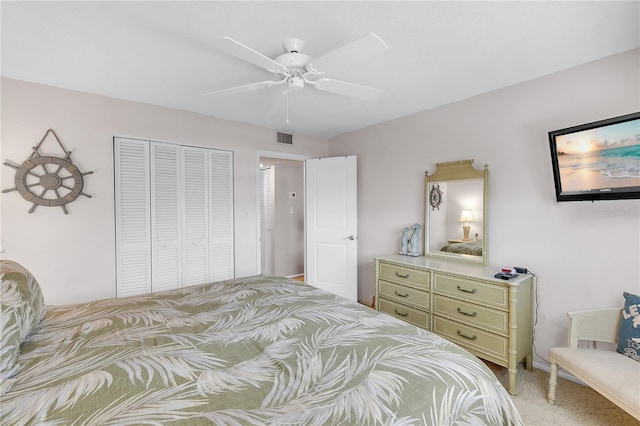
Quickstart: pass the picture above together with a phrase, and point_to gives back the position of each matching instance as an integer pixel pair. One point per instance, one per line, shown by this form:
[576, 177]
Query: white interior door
[331, 255]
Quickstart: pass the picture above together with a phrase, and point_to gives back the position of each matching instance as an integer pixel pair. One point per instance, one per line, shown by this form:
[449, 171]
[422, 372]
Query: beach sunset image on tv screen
[603, 158]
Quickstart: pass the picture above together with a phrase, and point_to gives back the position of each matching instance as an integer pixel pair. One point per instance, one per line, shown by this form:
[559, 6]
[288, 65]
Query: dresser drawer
[406, 275]
[402, 294]
[472, 290]
[405, 313]
[487, 318]
[494, 346]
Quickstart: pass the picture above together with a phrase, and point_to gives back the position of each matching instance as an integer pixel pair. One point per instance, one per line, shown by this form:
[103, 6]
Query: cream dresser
[463, 302]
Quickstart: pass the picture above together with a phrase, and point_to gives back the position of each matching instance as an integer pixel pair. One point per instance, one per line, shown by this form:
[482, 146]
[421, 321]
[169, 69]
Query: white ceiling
[439, 52]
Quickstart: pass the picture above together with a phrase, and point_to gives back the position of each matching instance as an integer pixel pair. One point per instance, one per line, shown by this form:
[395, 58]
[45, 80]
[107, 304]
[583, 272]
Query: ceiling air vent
[282, 137]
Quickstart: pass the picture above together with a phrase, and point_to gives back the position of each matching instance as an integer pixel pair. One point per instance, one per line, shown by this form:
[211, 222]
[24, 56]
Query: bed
[255, 350]
[473, 248]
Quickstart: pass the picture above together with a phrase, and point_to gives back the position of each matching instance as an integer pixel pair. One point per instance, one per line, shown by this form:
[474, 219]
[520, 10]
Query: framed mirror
[456, 211]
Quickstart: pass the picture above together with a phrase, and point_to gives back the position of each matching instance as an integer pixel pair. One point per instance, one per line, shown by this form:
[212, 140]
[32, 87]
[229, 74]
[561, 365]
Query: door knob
[350, 237]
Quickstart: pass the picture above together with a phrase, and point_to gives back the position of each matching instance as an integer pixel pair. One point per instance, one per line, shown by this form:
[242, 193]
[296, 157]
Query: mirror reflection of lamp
[466, 217]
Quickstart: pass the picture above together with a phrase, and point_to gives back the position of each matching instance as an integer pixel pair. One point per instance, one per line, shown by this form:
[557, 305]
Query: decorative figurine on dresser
[451, 290]
[404, 249]
[414, 241]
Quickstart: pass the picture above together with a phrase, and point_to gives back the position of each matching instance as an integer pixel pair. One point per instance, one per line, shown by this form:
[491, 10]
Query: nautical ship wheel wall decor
[435, 196]
[48, 181]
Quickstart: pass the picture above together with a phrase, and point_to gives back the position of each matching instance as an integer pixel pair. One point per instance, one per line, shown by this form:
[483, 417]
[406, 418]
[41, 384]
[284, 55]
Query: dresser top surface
[454, 267]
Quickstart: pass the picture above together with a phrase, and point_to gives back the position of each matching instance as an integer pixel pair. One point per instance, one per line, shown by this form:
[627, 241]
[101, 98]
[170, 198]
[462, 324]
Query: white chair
[613, 375]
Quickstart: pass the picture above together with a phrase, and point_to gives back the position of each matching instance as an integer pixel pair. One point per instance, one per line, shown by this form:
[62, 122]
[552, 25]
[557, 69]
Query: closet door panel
[166, 223]
[132, 203]
[195, 210]
[221, 215]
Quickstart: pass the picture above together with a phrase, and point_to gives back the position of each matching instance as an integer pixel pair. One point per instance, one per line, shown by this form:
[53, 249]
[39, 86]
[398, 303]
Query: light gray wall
[584, 254]
[73, 256]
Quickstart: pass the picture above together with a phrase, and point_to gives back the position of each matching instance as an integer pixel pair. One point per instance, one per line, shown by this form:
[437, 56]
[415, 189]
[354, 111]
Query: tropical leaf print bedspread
[248, 351]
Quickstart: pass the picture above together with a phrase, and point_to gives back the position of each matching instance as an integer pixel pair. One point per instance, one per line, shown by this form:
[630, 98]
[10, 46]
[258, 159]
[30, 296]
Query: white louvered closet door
[132, 202]
[195, 214]
[221, 215]
[166, 216]
[174, 216]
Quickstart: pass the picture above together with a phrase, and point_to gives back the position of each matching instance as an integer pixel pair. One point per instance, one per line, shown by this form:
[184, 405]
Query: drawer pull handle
[406, 314]
[474, 337]
[401, 295]
[474, 291]
[402, 276]
[473, 314]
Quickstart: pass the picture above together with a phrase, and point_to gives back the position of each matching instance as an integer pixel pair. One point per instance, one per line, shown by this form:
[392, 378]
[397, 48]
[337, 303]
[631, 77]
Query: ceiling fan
[295, 70]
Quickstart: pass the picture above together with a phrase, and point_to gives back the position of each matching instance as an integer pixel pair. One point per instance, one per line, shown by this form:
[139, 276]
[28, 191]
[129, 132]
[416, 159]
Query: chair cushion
[606, 371]
[629, 331]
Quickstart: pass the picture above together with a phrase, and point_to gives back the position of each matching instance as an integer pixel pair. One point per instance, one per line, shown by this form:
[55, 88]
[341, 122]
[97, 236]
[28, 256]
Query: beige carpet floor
[576, 404]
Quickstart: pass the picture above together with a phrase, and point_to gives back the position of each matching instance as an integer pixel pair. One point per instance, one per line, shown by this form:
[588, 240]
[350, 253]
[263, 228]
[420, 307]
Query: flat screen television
[597, 161]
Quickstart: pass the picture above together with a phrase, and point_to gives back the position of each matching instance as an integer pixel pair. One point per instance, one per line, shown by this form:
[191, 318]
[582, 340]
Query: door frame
[270, 154]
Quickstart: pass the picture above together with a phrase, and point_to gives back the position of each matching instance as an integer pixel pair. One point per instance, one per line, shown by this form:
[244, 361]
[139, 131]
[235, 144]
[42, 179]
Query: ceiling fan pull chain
[287, 95]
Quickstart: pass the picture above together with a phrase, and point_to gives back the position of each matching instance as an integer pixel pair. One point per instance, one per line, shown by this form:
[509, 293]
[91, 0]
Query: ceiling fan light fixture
[295, 82]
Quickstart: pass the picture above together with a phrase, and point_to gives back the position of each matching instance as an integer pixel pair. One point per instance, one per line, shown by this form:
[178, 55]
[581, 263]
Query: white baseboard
[563, 374]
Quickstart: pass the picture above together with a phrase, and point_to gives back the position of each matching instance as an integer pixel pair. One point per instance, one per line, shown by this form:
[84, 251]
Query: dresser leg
[512, 380]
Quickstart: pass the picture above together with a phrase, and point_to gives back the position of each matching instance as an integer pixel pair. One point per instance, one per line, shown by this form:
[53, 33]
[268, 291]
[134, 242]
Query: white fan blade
[348, 89]
[245, 88]
[240, 51]
[362, 48]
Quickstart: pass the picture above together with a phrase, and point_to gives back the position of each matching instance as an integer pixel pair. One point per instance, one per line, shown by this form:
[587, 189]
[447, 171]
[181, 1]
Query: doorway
[281, 214]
